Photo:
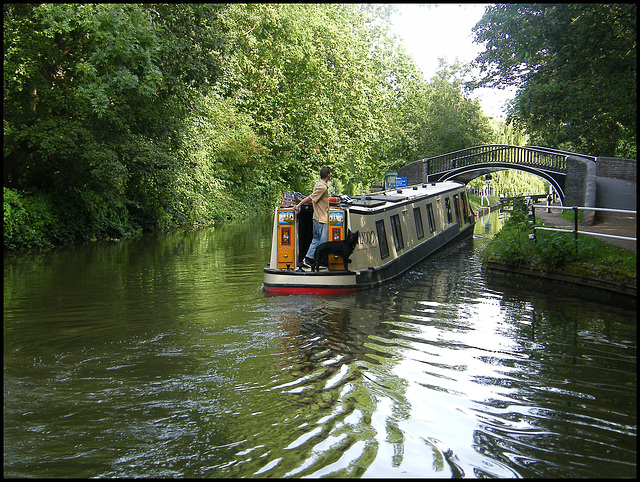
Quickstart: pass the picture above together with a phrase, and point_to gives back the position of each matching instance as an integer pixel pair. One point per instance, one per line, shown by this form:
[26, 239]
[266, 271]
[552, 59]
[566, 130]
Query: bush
[29, 220]
[554, 251]
[33, 220]
[85, 214]
[511, 245]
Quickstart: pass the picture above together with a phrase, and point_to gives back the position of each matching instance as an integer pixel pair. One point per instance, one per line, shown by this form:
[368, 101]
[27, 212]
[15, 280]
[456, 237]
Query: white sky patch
[432, 31]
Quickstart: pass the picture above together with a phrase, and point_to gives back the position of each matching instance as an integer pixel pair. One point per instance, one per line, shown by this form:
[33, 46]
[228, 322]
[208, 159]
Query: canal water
[163, 357]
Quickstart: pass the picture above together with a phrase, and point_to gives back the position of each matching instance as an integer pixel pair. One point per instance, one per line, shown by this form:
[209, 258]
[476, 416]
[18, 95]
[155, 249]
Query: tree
[223, 165]
[436, 117]
[309, 77]
[121, 117]
[94, 97]
[575, 67]
[508, 134]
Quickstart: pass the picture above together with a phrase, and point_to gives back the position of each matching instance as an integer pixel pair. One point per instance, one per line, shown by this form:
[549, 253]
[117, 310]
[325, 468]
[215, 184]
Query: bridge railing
[542, 157]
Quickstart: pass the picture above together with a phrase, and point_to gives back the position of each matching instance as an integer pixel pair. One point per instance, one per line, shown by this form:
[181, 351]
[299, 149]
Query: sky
[431, 31]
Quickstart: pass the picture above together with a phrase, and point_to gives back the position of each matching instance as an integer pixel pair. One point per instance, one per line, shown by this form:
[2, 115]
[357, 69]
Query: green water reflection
[163, 357]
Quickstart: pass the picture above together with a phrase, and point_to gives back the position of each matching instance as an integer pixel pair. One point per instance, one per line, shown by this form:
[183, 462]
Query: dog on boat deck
[342, 248]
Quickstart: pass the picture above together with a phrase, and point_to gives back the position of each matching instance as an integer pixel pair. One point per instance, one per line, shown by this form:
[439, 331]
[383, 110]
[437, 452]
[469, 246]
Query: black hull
[408, 260]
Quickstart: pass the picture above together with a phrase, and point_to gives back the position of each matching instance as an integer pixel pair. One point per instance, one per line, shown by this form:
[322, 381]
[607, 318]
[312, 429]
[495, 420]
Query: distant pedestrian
[549, 201]
[485, 192]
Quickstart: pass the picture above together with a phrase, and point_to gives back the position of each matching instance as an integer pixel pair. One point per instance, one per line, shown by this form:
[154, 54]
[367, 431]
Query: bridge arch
[466, 164]
[467, 173]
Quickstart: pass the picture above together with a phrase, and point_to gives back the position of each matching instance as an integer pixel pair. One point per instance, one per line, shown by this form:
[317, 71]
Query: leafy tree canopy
[126, 117]
[575, 67]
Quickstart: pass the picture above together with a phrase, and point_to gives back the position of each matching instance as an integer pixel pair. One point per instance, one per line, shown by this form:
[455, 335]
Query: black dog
[342, 248]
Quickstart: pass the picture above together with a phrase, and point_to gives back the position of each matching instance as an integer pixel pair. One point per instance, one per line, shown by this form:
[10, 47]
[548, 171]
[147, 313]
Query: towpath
[619, 224]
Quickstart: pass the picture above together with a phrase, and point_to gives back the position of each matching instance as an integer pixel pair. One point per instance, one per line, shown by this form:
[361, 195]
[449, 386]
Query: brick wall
[415, 172]
[616, 168]
[580, 186]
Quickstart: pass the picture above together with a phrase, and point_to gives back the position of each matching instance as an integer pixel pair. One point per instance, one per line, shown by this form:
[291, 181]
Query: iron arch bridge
[467, 164]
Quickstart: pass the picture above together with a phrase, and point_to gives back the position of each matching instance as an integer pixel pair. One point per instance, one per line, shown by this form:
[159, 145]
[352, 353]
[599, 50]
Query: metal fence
[575, 230]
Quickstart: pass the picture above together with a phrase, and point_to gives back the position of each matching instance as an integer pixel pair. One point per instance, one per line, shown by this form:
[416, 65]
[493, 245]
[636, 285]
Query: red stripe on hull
[307, 290]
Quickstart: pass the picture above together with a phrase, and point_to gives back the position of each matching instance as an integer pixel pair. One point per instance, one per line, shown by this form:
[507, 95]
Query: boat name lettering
[367, 237]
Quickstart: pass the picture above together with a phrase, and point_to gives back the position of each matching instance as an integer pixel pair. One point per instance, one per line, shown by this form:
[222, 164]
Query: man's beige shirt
[320, 199]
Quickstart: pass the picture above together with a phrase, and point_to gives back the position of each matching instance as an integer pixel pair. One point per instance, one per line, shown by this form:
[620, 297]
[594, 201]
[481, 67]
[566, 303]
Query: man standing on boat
[320, 199]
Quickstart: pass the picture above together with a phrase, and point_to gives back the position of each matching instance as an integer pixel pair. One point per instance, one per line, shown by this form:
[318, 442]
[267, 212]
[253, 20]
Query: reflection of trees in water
[340, 356]
[317, 343]
[490, 224]
[335, 332]
[441, 278]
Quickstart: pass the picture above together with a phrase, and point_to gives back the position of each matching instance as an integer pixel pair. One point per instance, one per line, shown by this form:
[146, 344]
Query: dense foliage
[575, 68]
[127, 117]
[558, 252]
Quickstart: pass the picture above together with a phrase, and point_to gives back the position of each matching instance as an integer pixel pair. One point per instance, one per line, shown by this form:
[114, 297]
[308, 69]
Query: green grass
[568, 215]
[475, 203]
[556, 252]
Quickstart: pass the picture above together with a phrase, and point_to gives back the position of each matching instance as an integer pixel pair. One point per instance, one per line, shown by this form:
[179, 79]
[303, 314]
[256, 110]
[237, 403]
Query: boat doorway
[305, 231]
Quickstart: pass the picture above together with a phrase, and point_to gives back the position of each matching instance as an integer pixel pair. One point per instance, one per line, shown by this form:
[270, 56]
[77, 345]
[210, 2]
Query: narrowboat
[397, 229]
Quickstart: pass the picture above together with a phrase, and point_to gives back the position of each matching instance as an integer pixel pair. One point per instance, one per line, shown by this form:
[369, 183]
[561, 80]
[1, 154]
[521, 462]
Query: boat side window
[417, 216]
[456, 205]
[397, 232]
[447, 203]
[465, 204]
[382, 239]
[432, 221]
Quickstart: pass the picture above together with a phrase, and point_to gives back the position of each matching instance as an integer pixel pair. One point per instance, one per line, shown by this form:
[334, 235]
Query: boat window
[417, 216]
[432, 221]
[397, 232]
[465, 202]
[447, 203]
[456, 205]
[382, 239]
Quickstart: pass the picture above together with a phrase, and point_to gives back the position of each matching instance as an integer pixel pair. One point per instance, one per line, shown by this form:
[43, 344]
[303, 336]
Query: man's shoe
[307, 262]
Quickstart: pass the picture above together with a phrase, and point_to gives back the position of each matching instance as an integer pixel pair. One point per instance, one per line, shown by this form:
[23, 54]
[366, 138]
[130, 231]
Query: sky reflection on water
[163, 357]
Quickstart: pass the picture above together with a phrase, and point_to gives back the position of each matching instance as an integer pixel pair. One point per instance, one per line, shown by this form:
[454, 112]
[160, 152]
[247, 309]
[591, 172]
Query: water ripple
[174, 364]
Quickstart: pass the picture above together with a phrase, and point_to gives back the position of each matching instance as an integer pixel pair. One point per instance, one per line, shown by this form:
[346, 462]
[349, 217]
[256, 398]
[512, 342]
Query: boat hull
[343, 282]
[300, 282]
[396, 229]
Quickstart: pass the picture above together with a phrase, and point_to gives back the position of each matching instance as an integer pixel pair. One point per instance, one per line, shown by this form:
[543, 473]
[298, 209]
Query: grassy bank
[556, 252]
[476, 202]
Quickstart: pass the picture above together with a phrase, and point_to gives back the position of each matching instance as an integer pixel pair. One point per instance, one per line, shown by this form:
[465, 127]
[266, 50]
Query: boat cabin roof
[383, 200]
